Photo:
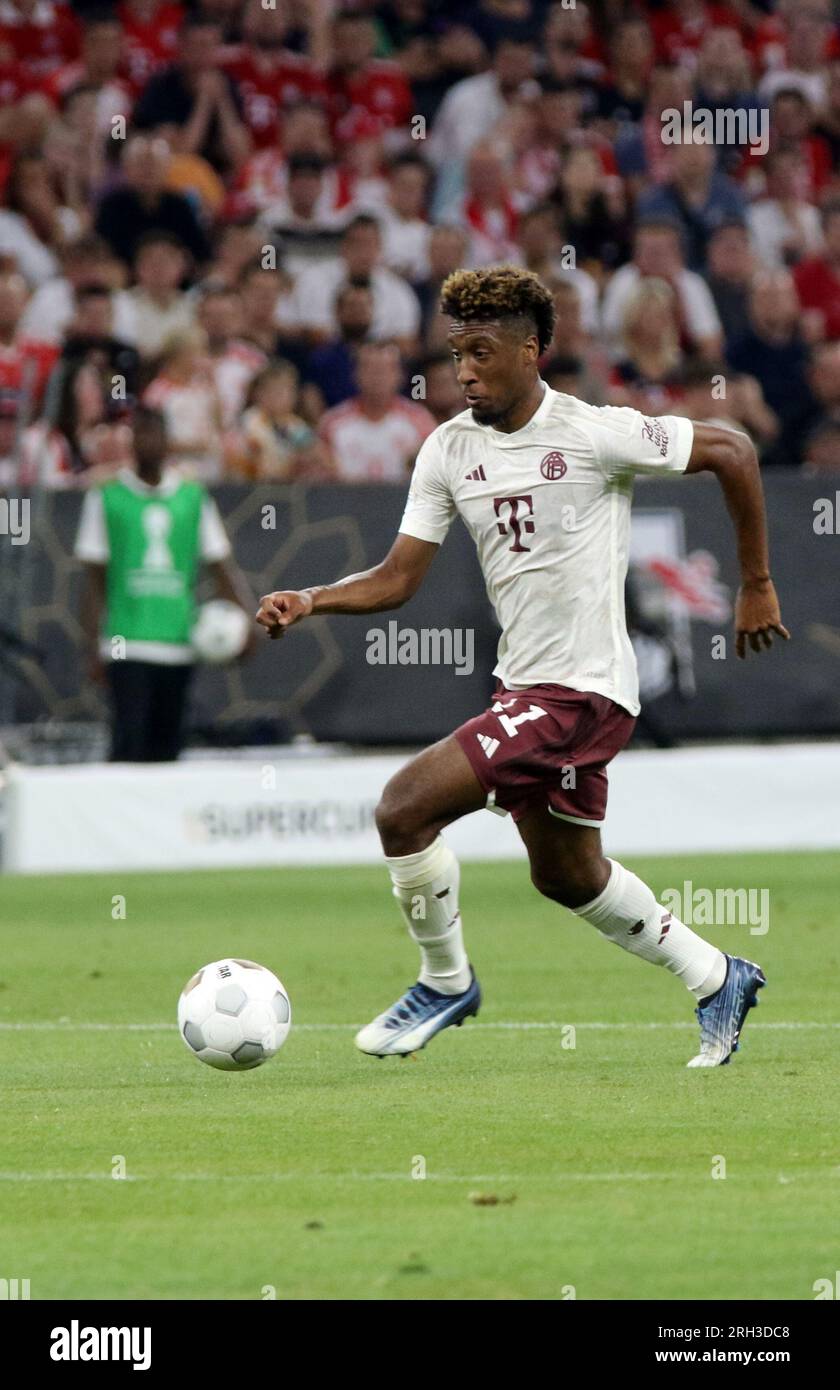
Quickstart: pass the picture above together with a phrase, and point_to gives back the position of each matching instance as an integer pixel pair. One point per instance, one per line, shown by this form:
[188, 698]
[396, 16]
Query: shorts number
[510, 723]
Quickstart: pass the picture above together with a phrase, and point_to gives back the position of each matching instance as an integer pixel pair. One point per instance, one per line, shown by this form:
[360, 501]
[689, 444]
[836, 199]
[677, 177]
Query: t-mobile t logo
[520, 519]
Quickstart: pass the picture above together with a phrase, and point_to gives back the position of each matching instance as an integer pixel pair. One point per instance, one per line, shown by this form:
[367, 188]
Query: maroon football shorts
[547, 745]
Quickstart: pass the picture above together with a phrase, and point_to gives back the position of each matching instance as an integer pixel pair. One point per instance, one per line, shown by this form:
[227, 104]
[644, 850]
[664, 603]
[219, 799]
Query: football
[220, 632]
[234, 1014]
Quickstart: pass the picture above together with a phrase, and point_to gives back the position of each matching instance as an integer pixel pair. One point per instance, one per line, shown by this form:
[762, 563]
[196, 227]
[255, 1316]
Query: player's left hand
[757, 617]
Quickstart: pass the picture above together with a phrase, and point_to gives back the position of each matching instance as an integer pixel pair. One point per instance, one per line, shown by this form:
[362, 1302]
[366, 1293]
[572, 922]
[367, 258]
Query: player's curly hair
[499, 292]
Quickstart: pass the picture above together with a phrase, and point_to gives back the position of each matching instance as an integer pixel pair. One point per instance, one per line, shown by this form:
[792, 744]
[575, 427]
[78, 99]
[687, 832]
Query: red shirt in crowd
[818, 285]
[381, 89]
[43, 41]
[268, 85]
[149, 45]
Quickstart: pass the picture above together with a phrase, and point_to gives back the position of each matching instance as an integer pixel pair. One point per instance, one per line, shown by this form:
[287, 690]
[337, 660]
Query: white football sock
[627, 913]
[426, 887]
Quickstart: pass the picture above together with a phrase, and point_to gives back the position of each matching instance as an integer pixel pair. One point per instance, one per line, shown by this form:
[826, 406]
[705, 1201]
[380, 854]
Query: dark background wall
[318, 681]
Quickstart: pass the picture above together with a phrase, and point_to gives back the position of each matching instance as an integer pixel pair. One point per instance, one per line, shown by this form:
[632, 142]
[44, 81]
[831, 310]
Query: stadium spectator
[147, 521]
[772, 348]
[544, 252]
[156, 306]
[150, 29]
[25, 362]
[263, 179]
[487, 209]
[730, 266]
[40, 34]
[82, 438]
[361, 141]
[185, 392]
[97, 70]
[647, 376]
[197, 97]
[792, 127]
[621, 98]
[237, 245]
[818, 409]
[707, 394]
[233, 361]
[10, 411]
[75, 151]
[474, 106]
[260, 289]
[821, 453]
[269, 74]
[297, 226]
[572, 51]
[804, 68]
[331, 369]
[405, 229]
[375, 436]
[145, 204]
[90, 338]
[449, 248]
[642, 159]
[85, 263]
[818, 278]
[697, 196]
[358, 80]
[657, 251]
[723, 83]
[34, 226]
[396, 311]
[593, 213]
[443, 397]
[276, 443]
[784, 225]
[828, 125]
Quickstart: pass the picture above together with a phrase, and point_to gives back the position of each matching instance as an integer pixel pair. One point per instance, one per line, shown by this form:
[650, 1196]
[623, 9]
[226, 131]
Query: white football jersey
[549, 510]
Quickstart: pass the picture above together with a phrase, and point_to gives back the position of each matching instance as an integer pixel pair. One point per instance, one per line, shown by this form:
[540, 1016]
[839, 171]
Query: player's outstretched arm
[389, 584]
[729, 454]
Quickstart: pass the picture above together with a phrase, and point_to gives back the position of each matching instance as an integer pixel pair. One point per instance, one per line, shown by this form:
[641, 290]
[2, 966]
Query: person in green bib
[143, 537]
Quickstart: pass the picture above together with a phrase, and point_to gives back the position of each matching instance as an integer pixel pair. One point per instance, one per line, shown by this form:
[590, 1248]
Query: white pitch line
[68, 1026]
[307, 1176]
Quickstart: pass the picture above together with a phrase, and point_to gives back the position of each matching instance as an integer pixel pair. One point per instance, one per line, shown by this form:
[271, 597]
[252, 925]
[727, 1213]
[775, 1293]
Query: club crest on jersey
[553, 466]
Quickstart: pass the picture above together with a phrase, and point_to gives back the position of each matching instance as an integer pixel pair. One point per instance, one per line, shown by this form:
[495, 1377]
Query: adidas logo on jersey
[488, 744]
[478, 475]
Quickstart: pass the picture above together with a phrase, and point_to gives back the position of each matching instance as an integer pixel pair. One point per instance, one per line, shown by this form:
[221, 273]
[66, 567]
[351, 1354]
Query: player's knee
[570, 883]
[397, 821]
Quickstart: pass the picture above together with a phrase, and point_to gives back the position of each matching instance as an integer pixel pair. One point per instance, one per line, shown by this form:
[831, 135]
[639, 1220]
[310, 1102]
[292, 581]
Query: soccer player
[544, 484]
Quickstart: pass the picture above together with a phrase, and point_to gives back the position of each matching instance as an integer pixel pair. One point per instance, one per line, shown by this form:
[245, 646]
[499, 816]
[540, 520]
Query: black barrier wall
[411, 676]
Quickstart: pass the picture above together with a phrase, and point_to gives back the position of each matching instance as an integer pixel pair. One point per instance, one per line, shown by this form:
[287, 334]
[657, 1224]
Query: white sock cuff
[413, 870]
[609, 893]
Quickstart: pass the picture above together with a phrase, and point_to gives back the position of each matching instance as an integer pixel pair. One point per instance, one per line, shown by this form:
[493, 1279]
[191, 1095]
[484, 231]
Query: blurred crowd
[241, 212]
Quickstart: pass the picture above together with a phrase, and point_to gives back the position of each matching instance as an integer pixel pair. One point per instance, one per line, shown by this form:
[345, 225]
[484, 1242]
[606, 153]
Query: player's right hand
[280, 610]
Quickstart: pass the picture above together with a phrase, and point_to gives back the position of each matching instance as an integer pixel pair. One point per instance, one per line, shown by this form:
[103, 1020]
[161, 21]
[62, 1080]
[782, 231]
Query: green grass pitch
[298, 1177]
